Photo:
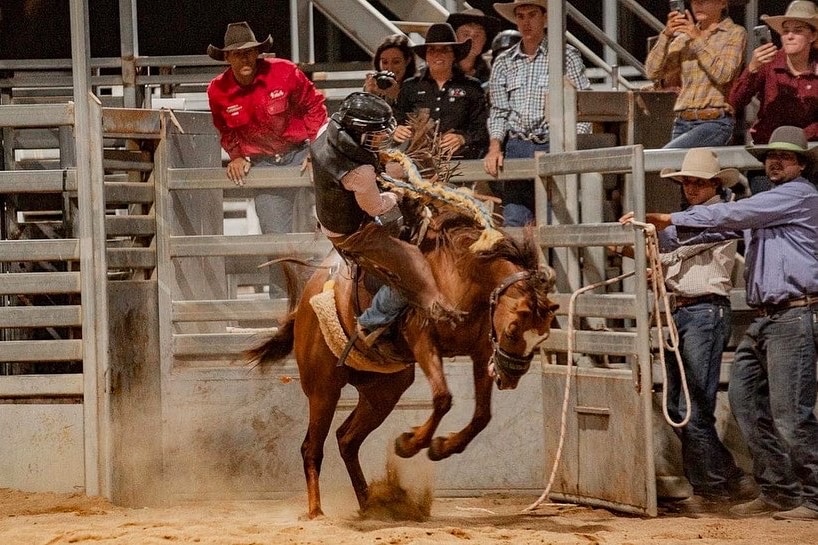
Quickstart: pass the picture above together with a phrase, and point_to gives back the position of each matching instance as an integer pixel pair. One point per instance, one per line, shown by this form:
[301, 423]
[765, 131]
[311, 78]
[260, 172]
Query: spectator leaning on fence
[266, 111]
[772, 388]
[701, 49]
[517, 124]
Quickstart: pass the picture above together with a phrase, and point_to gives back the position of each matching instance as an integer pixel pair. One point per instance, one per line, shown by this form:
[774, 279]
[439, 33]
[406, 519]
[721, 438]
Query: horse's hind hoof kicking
[405, 446]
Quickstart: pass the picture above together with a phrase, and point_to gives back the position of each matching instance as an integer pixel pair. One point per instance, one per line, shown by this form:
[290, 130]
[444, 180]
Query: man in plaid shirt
[518, 116]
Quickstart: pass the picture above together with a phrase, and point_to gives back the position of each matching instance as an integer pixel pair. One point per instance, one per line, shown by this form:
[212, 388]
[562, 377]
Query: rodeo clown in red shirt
[266, 111]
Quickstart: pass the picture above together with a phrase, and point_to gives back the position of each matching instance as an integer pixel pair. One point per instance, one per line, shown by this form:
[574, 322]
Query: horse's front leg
[455, 443]
[410, 443]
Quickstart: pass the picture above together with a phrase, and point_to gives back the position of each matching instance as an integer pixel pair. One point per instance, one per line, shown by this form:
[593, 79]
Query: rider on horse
[363, 222]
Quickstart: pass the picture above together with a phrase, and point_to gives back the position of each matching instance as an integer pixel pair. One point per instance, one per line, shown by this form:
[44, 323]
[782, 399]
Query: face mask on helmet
[368, 119]
[378, 140]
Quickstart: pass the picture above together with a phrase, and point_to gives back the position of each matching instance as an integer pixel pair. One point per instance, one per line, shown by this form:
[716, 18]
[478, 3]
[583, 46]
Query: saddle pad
[324, 306]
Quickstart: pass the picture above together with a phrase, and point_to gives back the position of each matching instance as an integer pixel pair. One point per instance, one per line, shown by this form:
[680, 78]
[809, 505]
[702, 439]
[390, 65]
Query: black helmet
[368, 119]
[503, 41]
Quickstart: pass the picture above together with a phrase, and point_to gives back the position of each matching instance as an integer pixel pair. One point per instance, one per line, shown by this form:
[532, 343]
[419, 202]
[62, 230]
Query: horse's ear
[553, 307]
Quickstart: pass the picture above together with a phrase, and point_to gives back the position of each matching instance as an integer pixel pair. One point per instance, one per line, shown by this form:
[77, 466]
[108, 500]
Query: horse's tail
[277, 347]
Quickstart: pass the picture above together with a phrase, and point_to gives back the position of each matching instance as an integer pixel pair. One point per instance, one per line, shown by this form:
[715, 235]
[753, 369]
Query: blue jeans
[699, 134]
[518, 195]
[704, 329]
[387, 305]
[773, 393]
[274, 207]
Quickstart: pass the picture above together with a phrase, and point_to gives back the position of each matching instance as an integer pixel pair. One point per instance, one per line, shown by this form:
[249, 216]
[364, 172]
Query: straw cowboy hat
[239, 36]
[473, 15]
[443, 34]
[786, 138]
[506, 9]
[799, 10]
[702, 163]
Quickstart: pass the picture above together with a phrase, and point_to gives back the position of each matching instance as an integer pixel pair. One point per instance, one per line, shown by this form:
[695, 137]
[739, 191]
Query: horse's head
[521, 316]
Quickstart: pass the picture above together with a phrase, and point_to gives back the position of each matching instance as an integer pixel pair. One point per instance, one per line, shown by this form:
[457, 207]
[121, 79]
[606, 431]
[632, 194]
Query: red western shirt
[274, 114]
[784, 99]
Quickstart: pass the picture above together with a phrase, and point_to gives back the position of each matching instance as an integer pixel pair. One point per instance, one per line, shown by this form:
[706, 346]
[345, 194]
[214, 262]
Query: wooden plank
[229, 309]
[36, 115]
[131, 258]
[40, 250]
[610, 305]
[130, 225]
[37, 181]
[33, 351]
[41, 282]
[41, 316]
[67, 384]
[296, 244]
[129, 192]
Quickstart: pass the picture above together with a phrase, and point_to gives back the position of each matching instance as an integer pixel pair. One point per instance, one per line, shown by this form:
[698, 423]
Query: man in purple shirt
[773, 386]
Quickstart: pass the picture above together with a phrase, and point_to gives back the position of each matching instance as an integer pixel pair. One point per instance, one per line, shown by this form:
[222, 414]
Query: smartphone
[677, 5]
[762, 35]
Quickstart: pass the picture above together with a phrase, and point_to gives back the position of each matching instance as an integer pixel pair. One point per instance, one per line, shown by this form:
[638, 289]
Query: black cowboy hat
[443, 34]
[473, 15]
[239, 36]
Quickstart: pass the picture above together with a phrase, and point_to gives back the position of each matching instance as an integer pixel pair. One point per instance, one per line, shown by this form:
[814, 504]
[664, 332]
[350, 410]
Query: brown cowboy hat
[702, 163]
[786, 138]
[473, 15]
[239, 36]
[506, 9]
[443, 34]
[798, 10]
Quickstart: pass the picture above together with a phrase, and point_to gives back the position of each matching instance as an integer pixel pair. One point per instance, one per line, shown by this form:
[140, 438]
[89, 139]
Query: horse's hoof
[436, 450]
[312, 515]
[404, 447]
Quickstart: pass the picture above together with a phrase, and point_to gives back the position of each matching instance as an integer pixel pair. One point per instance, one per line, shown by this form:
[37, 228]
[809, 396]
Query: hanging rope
[661, 303]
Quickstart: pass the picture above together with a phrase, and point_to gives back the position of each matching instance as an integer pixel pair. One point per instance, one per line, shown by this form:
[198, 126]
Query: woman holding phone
[784, 80]
[703, 49]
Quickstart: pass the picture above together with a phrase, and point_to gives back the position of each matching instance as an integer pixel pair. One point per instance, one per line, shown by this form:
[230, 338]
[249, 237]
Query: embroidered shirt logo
[457, 92]
[234, 109]
[276, 93]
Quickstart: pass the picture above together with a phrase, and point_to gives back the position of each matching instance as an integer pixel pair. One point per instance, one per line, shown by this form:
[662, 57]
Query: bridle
[509, 364]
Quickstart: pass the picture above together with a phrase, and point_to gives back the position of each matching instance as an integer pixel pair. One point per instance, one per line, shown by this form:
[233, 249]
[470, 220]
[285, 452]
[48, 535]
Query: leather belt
[703, 114]
[531, 137]
[682, 301]
[772, 308]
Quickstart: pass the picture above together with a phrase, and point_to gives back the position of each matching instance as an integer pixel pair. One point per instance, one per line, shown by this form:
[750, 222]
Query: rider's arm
[361, 180]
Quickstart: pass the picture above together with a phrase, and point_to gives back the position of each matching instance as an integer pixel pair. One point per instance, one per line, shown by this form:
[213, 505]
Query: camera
[677, 5]
[762, 35]
[384, 79]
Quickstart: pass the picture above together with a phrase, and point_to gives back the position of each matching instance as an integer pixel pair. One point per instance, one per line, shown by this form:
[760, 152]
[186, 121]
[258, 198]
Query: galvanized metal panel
[586, 234]
[213, 344]
[268, 245]
[52, 443]
[610, 305]
[605, 417]
[228, 309]
[614, 343]
[610, 160]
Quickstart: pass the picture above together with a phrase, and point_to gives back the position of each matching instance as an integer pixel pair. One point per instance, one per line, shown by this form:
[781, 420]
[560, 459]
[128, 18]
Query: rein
[511, 365]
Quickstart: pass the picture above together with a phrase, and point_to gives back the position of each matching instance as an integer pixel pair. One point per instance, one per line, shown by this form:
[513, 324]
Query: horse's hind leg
[322, 410]
[377, 396]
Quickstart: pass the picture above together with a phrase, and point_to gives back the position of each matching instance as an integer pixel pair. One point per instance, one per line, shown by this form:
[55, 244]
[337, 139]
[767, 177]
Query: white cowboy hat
[702, 163]
[786, 138]
[798, 10]
[506, 9]
[239, 36]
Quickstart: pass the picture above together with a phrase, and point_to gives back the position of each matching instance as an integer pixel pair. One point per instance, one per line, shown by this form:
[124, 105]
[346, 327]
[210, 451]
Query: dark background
[40, 29]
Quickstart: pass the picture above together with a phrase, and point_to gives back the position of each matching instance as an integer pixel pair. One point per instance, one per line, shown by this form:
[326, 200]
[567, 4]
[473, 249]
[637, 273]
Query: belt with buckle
[530, 137]
[682, 301]
[279, 158]
[703, 114]
[772, 308]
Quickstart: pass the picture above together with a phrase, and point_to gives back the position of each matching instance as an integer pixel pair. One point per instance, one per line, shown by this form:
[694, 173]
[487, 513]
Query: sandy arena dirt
[50, 519]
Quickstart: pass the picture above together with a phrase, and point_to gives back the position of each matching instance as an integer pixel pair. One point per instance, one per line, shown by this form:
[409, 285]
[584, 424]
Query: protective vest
[334, 153]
